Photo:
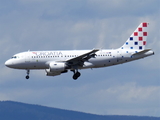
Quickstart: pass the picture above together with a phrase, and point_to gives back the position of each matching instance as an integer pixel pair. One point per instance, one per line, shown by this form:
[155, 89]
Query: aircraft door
[27, 57]
[119, 56]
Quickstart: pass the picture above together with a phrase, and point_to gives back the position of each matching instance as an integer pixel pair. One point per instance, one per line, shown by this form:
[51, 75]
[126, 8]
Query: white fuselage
[42, 59]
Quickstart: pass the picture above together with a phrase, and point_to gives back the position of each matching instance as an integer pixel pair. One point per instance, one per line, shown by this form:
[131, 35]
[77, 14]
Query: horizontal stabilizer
[141, 52]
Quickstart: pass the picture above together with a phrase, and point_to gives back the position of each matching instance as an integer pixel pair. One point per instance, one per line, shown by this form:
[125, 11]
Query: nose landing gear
[27, 76]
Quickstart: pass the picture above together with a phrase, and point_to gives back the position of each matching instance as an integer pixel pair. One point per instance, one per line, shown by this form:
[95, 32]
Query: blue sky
[129, 89]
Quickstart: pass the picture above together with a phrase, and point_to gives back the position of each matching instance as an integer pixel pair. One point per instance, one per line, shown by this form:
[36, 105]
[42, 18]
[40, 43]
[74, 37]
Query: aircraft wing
[82, 58]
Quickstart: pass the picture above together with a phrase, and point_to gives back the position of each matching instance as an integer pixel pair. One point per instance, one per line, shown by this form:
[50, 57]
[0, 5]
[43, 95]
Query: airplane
[61, 61]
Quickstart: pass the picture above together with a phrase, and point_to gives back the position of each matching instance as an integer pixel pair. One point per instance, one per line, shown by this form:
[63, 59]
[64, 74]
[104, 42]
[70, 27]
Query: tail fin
[138, 38]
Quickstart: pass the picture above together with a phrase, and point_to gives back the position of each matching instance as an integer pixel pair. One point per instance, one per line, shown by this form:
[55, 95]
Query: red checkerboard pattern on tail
[137, 40]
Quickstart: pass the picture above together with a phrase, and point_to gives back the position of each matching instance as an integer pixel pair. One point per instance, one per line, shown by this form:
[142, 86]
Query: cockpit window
[14, 57]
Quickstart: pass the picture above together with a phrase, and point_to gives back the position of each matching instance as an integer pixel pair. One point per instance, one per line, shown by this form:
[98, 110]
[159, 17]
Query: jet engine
[57, 66]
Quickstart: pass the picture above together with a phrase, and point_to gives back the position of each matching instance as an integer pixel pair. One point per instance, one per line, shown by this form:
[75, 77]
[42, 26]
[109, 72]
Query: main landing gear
[76, 74]
[27, 76]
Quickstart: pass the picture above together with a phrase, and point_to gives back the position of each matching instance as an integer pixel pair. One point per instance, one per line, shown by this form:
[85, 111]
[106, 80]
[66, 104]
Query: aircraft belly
[103, 62]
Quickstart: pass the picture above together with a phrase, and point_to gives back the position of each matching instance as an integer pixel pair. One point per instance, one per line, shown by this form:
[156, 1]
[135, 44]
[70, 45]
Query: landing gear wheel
[76, 75]
[27, 77]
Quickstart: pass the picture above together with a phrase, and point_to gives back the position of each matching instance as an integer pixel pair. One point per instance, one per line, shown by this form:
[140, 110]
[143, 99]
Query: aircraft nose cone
[8, 63]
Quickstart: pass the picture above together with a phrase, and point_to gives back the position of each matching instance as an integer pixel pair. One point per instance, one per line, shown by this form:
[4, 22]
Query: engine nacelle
[57, 66]
[48, 73]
